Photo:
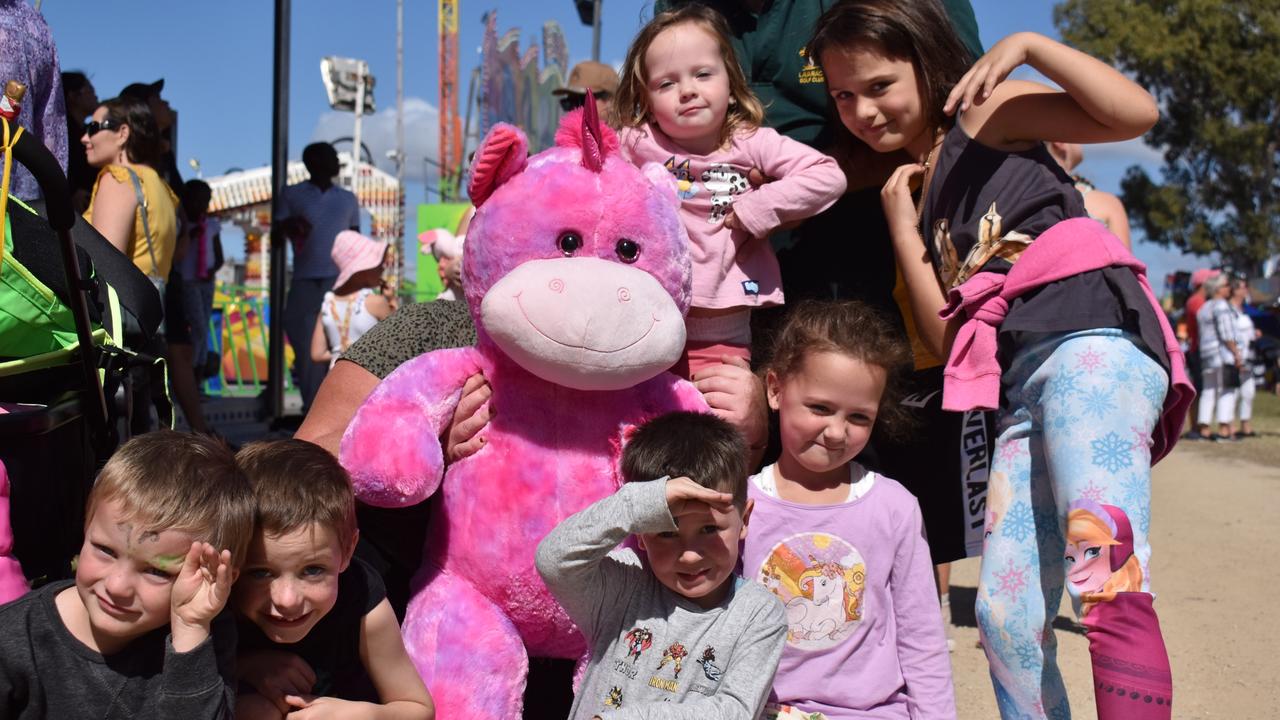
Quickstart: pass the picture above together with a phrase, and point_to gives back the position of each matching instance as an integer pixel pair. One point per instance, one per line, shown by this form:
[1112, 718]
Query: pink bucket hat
[353, 252]
[1199, 276]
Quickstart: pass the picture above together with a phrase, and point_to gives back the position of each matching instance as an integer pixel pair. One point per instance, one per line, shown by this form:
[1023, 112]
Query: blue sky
[216, 58]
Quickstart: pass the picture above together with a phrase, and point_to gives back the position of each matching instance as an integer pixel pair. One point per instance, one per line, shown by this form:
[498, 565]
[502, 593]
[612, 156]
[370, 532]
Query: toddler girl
[1048, 318]
[353, 306]
[684, 103]
[841, 546]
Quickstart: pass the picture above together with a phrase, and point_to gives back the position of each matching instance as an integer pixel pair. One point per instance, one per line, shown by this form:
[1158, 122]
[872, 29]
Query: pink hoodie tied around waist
[971, 380]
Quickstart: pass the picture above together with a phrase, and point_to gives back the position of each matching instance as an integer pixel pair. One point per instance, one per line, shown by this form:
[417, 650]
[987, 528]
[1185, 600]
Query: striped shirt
[1216, 322]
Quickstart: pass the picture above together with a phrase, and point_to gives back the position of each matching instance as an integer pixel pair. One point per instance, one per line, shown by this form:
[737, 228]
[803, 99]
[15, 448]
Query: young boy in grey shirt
[680, 636]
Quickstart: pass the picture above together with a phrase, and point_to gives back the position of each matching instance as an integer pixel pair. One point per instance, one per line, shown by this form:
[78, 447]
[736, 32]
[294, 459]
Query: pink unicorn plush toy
[577, 275]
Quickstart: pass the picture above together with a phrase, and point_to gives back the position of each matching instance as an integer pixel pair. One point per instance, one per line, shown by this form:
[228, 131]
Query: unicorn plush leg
[467, 651]
[13, 584]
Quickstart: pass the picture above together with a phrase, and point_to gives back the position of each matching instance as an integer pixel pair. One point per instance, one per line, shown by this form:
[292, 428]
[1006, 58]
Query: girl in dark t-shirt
[1083, 370]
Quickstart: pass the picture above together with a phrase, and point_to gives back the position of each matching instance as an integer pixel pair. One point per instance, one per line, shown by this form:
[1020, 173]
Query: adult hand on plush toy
[471, 416]
[737, 395]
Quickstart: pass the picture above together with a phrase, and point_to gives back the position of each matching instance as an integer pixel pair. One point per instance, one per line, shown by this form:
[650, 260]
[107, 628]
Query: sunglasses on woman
[92, 128]
[573, 101]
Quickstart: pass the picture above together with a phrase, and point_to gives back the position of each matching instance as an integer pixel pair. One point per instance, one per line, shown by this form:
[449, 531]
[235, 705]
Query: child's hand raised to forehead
[199, 594]
[686, 497]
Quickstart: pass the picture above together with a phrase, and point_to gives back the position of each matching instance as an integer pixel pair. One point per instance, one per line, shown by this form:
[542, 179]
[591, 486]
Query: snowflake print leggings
[1070, 501]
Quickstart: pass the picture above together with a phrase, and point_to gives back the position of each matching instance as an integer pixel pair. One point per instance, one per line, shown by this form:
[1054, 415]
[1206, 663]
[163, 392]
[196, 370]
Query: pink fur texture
[573, 336]
[13, 584]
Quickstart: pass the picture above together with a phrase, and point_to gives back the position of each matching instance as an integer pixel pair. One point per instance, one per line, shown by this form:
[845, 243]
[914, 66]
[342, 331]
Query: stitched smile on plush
[585, 323]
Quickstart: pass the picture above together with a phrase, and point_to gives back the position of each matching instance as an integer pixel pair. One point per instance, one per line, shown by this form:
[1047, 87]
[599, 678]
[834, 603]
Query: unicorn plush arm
[393, 459]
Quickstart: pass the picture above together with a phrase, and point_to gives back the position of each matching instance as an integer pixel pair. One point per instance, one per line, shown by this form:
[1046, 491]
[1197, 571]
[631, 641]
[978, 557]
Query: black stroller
[62, 408]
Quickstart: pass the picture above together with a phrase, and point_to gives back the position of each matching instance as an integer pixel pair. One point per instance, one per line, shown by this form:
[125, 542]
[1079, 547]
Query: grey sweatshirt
[655, 654]
[45, 672]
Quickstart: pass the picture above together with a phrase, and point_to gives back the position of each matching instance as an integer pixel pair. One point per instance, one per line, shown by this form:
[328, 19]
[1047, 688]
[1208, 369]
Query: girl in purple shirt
[841, 546]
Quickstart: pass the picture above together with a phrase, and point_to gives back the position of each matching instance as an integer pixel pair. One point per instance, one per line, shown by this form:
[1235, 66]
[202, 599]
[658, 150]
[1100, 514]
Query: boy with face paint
[141, 628]
[680, 627]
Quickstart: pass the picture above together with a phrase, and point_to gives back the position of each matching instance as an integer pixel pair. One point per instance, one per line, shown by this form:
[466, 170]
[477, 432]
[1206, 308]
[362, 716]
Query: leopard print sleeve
[412, 330]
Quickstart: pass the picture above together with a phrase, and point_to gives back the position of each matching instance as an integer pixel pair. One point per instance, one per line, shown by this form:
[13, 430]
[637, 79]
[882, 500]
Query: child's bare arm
[275, 674]
[320, 343]
[199, 594]
[253, 706]
[1097, 103]
[385, 659]
[924, 292]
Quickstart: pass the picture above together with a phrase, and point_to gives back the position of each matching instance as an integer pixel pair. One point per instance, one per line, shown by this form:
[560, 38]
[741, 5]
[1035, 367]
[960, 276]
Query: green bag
[33, 320]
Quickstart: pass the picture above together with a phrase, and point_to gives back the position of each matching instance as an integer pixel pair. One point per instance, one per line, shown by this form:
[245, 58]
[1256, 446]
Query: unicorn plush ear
[501, 156]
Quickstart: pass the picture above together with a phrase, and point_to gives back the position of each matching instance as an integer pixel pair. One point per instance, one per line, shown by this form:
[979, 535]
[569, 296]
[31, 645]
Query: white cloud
[378, 134]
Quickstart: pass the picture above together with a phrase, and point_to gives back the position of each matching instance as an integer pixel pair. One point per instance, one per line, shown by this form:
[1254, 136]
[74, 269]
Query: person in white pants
[1218, 350]
[1244, 335]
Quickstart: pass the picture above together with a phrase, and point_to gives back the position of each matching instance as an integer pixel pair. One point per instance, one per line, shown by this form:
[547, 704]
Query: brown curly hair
[854, 329]
[631, 103]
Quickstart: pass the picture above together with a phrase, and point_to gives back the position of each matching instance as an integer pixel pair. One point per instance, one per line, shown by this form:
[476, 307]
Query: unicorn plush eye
[569, 242]
[628, 250]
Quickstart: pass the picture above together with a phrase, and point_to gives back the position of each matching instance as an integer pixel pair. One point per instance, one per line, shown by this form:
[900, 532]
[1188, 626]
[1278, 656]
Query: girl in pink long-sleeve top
[842, 546]
[684, 103]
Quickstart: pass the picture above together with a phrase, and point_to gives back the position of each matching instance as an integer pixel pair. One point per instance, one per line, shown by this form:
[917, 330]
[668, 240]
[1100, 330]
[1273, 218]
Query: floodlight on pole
[350, 88]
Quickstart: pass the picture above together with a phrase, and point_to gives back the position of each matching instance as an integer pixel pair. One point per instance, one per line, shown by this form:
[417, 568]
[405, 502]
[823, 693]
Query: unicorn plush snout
[585, 323]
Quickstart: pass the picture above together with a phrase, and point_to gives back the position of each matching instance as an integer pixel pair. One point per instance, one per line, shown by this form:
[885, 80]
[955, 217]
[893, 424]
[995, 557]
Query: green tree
[1214, 68]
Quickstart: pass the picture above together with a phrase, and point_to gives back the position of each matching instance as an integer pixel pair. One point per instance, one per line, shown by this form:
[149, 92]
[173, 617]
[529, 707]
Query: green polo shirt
[771, 49]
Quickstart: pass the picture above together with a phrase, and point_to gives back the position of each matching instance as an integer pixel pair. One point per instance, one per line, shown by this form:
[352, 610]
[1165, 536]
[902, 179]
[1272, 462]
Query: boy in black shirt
[315, 625]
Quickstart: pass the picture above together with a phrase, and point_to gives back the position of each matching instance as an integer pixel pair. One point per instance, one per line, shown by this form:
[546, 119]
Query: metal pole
[454, 184]
[595, 33]
[363, 71]
[279, 179]
[398, 278]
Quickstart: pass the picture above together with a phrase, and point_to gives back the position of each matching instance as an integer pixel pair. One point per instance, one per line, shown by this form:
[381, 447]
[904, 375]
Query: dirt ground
[1215, 534]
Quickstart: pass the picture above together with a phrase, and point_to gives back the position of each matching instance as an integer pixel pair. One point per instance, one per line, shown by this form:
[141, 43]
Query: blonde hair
[631, 102]
[1086, 526]
[166, 480]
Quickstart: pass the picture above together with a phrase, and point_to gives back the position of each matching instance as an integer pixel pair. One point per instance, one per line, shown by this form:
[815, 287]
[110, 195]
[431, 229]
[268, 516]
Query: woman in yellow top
[121, 139]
